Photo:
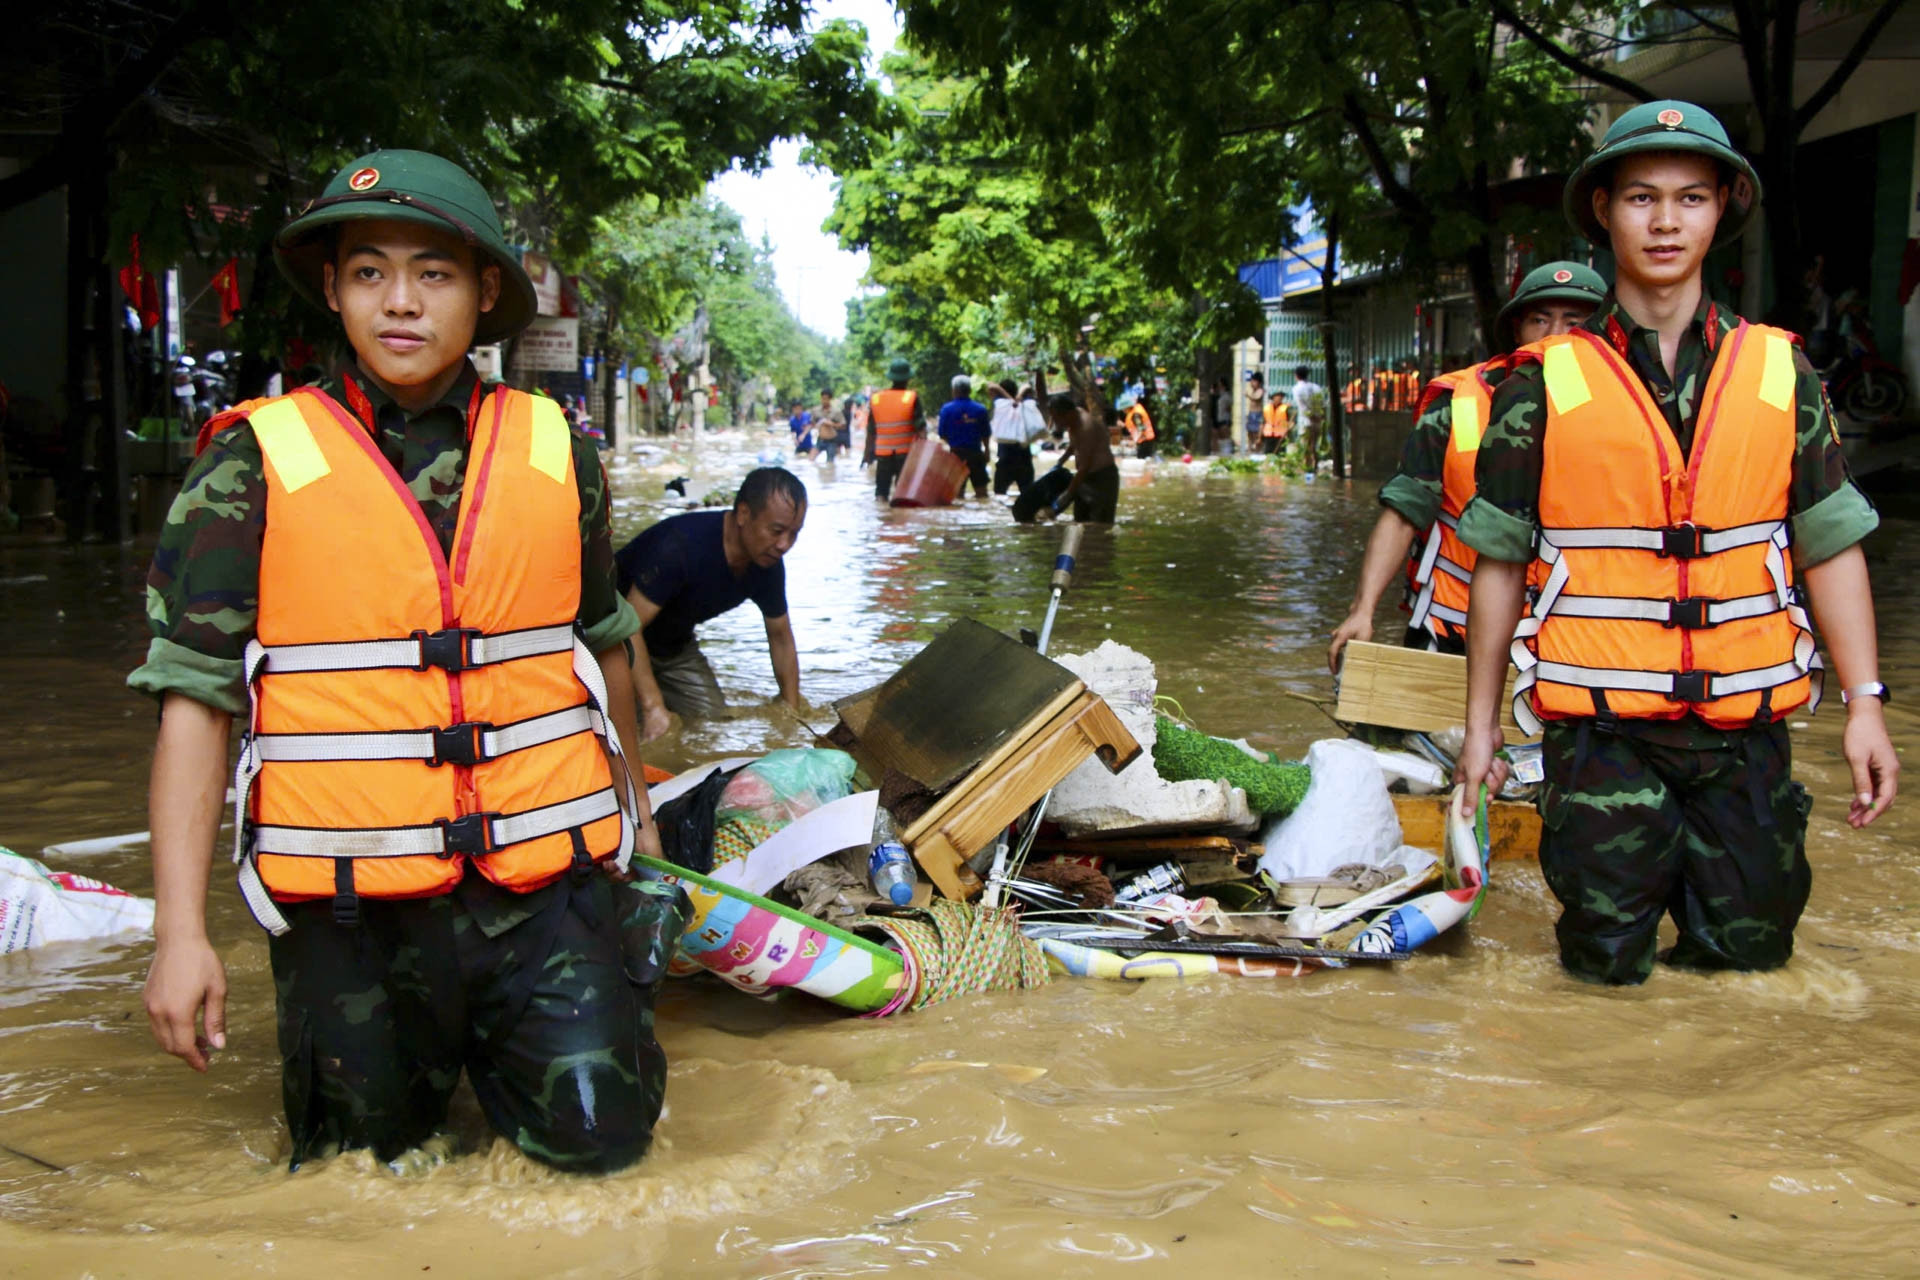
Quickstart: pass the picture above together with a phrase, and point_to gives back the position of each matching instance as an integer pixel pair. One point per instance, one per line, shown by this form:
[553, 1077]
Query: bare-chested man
[1095, 489]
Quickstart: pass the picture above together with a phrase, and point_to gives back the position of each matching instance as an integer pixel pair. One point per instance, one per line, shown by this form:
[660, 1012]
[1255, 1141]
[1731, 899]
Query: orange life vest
[1139, 424]
[411, 710]
[1273, 419]
[1440, 571]
[896, 420]
[1666, 586]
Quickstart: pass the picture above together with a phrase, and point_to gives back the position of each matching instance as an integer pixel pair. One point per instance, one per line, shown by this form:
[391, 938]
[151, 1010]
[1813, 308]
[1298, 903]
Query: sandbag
[40, 905]
[1347, 816]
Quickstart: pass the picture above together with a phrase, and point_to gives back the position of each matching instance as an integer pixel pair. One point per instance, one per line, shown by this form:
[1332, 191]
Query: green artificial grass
[1183, 755]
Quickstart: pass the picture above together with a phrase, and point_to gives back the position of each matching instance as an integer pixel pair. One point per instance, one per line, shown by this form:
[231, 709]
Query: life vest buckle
[461, 744]
[1690, 686]
[451, 650]
[1690, 614]
[471, 834]
[1683, 542]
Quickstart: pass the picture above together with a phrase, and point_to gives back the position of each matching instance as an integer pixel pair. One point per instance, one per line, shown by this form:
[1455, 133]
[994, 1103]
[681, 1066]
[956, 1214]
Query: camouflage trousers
[544, 999]
[1635, 829]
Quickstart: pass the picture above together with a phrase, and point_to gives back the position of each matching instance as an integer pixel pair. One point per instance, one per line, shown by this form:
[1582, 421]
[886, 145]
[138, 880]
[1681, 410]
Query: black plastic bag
[686, 823]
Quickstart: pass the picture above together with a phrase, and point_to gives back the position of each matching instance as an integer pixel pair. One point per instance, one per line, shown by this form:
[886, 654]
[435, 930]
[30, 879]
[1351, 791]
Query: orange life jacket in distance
[1440, 571]
[1666, 586]
[413, 710]
[1139, 424]
[896, 420]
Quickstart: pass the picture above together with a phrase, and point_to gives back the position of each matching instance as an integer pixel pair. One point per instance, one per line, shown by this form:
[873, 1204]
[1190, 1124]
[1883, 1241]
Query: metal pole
[1063, 565]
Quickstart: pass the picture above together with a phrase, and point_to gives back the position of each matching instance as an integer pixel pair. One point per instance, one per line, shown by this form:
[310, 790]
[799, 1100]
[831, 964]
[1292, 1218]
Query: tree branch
[1568, 59]
[1718, 28]
[1395, 191]
[1848, 65]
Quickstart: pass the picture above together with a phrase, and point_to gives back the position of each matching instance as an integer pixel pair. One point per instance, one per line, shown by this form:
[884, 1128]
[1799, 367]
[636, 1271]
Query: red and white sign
[546, 282]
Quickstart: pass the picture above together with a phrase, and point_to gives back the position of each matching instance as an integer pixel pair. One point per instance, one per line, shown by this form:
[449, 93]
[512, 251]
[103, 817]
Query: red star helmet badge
[364, 179]
[1670, 118]
[1562, 276]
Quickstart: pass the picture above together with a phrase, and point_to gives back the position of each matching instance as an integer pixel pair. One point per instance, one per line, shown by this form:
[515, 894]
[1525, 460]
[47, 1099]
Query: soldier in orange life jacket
[894, 422]
[1421, 504]
[1670, 476]
[417, 621]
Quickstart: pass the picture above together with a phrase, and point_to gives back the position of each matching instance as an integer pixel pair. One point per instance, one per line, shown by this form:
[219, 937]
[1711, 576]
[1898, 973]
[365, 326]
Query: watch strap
[1871, 689]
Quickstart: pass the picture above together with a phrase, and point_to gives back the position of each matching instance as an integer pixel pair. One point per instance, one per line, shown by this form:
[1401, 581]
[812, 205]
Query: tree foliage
[1404, 119]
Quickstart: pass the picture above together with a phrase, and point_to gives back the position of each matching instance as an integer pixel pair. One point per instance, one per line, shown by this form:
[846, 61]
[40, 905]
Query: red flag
[226, 283]
[142, 290]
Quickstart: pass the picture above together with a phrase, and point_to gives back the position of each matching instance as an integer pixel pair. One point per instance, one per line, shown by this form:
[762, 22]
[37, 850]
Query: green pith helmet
[1551, 282]
[408, 186]
[899, 371]
[1664, 126]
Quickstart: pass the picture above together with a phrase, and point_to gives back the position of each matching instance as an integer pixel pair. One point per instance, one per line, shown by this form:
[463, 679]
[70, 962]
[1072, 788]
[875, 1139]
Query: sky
[789, 202]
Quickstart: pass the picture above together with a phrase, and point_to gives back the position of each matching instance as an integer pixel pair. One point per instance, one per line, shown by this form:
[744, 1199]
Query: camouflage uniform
[1643, 814]
[545, 998]
[534, 994]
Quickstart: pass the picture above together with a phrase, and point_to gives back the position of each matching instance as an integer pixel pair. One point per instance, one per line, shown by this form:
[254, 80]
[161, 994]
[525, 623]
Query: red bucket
[931, 476]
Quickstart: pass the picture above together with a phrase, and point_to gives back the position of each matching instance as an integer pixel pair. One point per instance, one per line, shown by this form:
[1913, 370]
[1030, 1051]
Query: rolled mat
[759, 946]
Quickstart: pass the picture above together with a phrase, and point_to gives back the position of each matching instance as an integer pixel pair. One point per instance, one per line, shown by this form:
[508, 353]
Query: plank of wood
[1396, 688]
[968, 819]
[957, 702]
[1021, 739]
[1140, 846]
[1513, 828]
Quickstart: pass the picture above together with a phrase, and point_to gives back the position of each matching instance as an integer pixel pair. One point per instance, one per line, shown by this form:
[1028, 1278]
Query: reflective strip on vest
[1610, 453]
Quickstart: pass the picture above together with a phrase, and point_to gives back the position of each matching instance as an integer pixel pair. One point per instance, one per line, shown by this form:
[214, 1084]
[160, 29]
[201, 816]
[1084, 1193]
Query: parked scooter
[1861, 383]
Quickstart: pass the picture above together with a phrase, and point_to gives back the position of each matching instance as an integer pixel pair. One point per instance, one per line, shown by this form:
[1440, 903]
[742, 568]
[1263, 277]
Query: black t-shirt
[681, 565]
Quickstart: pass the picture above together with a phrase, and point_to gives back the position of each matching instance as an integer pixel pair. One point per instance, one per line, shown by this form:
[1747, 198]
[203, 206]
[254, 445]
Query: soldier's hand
[186, 977]
[1354, 627]
[1871, 757]
[1480, 764]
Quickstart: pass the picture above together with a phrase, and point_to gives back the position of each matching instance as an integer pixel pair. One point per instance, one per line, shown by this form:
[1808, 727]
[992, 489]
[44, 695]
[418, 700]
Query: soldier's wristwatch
[1871, 689]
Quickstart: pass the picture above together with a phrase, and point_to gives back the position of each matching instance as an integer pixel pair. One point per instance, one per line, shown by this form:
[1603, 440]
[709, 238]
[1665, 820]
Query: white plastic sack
[1346, 817]
[40, 905]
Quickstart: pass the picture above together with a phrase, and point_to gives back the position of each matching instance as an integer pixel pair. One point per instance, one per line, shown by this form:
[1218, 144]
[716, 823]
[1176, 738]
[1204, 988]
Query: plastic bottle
[890, 866]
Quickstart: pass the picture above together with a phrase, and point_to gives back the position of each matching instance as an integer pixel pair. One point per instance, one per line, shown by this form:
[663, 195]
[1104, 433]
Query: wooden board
[956, 705]
[1396, 688]
[1513, 828]
[974, 812]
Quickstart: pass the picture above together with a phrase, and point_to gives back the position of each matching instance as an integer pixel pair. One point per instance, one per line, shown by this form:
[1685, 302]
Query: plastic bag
[773, 791]
[40, 905]
[1347, 816]
[783, 785]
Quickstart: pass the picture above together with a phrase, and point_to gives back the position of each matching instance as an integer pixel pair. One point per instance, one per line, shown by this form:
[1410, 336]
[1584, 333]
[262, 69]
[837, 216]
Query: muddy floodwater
[1470, 1111]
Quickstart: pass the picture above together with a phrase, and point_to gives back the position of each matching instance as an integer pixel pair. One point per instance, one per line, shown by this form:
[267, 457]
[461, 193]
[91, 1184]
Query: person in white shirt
[1310, 411]
[1015, 425]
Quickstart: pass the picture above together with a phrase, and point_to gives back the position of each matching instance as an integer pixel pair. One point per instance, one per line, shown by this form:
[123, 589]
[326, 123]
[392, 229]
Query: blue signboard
[1295, 269]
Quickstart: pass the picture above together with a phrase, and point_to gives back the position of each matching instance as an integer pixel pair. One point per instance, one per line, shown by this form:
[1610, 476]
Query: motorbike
[1861, 383]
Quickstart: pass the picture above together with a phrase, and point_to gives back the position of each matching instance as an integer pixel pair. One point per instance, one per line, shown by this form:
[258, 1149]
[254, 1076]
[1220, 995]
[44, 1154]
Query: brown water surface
[1471, 1111]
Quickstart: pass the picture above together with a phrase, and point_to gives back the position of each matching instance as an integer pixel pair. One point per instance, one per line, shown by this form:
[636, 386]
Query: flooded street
[1470, 1111]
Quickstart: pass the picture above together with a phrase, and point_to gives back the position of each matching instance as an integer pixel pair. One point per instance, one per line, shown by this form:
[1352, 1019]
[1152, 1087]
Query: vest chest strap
[454, 649]
[1680, 542]
[462, 744]
[1696, 613]
[474, 835]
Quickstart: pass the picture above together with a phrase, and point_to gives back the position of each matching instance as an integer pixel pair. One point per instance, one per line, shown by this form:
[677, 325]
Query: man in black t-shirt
[689, 568]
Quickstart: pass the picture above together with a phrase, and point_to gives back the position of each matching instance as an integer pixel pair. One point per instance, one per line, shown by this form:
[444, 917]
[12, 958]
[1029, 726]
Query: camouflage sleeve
[203, 589]
[1414, 490]
[1500, 520]
[1828, 510]
[605, 616]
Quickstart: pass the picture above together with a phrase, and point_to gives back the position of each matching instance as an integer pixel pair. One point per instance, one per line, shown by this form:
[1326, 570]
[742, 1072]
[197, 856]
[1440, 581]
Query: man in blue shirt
[963, 425]
[801, 424]
[689, 568]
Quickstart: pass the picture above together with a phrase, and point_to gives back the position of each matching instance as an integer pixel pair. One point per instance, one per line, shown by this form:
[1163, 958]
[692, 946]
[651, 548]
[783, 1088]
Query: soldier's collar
[467, 391]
